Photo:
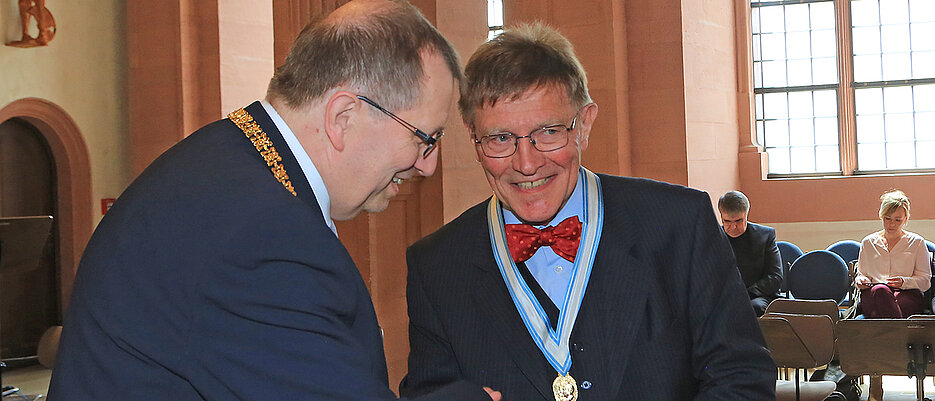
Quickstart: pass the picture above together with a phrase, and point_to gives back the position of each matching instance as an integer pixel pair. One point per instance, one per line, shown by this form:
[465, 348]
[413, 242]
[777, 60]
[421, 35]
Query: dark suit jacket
[208, 280]
[658, 322]
[758, 260]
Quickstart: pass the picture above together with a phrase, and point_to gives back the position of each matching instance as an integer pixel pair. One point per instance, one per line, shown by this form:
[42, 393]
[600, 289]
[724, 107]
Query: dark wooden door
[29, 302]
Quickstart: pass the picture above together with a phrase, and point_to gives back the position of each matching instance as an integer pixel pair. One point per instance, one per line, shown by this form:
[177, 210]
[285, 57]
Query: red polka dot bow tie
[524, 240]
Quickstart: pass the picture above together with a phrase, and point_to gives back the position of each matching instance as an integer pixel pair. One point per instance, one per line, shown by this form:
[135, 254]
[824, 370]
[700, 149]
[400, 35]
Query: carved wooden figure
[35, 9]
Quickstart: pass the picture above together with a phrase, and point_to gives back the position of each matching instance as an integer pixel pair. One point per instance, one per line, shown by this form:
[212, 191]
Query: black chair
[819, 275]
[788, 253]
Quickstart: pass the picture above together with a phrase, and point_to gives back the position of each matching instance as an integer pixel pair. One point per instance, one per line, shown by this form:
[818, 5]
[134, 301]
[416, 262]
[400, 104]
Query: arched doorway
[29, 301]
[54, 130]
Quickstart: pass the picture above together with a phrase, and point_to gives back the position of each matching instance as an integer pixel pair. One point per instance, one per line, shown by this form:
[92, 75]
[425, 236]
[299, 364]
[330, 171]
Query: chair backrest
[848, 249]
[48, 346]
[824, 307]
[798, 341]
[928, 297]
[819, 275]
[788, 253]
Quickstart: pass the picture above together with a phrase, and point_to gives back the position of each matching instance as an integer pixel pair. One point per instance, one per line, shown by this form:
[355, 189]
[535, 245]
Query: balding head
[356, 10]
[374, 47]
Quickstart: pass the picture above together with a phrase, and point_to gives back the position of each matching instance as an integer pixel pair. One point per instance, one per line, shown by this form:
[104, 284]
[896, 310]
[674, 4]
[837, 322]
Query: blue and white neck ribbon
[552, 343]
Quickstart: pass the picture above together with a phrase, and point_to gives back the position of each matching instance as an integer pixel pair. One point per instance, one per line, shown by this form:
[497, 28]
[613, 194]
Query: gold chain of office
[263, 145]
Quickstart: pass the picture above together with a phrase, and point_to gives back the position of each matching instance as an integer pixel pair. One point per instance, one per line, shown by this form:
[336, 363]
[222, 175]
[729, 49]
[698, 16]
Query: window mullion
[847, 125]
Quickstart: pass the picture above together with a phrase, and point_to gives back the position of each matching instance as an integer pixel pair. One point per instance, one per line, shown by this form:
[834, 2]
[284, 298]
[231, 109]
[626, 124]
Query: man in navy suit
[218, 274]
[568, 284]
[755, 249]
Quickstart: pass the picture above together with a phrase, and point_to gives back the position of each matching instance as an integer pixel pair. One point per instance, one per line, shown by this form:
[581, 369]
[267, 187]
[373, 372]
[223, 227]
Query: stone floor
[900, 388]
[32, 381]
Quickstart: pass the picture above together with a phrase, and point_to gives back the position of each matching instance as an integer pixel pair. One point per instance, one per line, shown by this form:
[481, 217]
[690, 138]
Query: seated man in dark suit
[568, 283]
[754, 248]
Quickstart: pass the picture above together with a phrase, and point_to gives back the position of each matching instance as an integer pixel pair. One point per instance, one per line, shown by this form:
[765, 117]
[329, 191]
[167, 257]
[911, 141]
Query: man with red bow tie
[571, 285]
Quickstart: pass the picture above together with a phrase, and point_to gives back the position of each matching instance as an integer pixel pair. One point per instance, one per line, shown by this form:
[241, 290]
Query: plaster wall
[84, 71]
[657, 90]
[710, 98]
[810, 236]
[246, 51]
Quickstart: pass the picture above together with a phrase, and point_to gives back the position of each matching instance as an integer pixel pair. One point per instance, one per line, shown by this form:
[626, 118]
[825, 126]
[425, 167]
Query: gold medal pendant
[565, 388]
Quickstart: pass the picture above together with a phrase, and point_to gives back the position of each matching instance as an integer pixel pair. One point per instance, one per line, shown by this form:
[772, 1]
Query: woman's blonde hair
[892, 200]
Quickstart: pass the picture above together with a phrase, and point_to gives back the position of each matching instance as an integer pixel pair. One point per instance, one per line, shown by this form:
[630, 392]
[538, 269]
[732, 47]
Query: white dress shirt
[553, 272]
[907, 258]
[309, 171]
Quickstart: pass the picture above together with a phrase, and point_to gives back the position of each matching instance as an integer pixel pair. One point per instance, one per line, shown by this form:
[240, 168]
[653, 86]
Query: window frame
[494, 30]
[844, 89]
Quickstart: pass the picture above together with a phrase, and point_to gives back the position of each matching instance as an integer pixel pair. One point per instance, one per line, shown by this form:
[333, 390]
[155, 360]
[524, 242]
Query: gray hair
[519, 59]
[733, 202]
[379, 51]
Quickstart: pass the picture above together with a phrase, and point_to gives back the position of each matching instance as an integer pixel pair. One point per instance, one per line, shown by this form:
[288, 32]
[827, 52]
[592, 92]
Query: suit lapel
[613, 310]
[492, 298]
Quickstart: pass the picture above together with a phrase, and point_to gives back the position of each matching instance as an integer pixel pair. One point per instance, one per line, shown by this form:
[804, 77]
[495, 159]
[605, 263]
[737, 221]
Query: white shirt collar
[305, 163]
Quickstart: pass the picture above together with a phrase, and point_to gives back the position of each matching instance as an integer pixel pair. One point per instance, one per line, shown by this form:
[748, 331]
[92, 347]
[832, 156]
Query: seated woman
[892, 270]
[893, 267]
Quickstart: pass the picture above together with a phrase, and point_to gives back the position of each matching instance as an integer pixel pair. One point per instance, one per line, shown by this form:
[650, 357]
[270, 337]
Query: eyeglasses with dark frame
[545, 139]
[429, 140]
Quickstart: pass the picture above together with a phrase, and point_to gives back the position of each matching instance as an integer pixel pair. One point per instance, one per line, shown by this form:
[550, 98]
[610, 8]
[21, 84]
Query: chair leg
[797, 394]
[876, 388]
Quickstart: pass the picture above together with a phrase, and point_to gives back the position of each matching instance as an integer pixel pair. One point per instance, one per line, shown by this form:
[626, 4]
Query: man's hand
[495, 395]
[894, 282]
[862, 282]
